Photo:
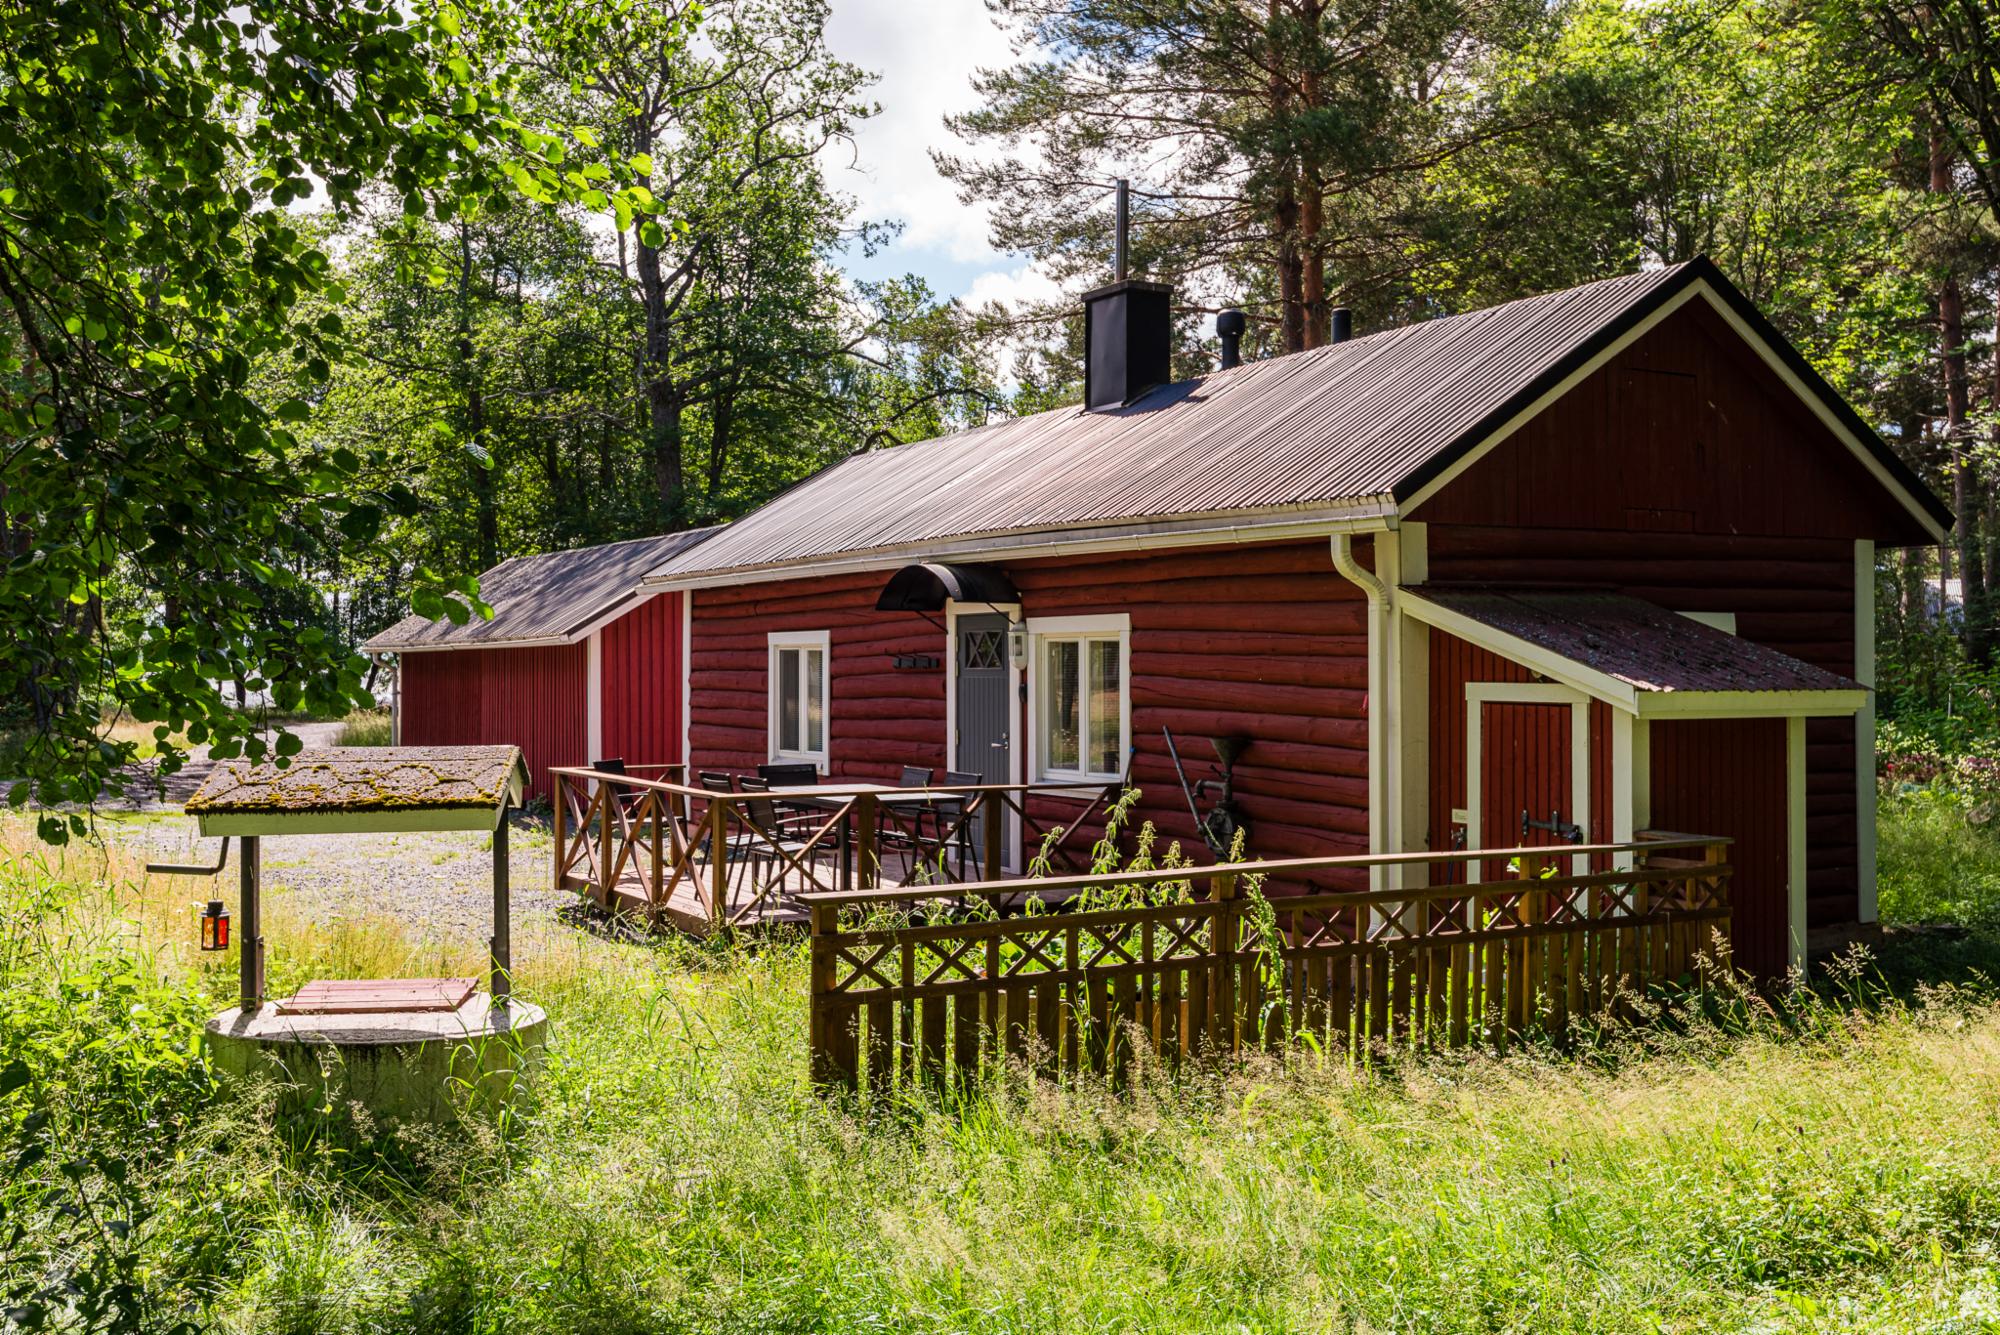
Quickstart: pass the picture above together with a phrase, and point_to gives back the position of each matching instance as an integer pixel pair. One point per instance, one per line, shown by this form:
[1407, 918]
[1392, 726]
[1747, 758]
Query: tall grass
[367, 727]
[1833, 1172]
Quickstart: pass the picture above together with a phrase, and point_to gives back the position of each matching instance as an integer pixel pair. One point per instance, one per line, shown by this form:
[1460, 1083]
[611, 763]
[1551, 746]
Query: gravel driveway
[437, 882]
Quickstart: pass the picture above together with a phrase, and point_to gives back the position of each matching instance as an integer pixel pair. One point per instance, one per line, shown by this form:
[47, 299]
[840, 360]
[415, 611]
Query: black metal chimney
[1127, 328]
[1340, 325]
[1229, 327]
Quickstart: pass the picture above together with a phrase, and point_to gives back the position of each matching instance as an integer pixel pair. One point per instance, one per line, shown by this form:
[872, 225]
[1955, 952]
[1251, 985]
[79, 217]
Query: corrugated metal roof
[1348, 428]
[1641, 644]
[1338, 424]
[544, 599]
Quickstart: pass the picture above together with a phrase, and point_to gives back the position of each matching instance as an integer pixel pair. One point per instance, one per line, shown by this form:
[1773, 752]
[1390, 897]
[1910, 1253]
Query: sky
[924, 53]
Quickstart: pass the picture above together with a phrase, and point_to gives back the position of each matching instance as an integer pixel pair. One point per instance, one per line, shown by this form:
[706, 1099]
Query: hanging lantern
[215, 926]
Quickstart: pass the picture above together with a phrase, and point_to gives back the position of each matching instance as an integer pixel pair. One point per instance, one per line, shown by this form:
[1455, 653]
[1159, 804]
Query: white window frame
[1113, 626]
[777, 642]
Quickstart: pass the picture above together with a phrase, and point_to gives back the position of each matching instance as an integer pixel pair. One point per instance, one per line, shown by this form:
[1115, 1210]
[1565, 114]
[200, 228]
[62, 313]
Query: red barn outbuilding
[577, 663]
[1569, 568]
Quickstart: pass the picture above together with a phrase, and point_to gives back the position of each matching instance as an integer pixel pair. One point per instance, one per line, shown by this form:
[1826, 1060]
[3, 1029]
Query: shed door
[983, 743]
[1523, 754]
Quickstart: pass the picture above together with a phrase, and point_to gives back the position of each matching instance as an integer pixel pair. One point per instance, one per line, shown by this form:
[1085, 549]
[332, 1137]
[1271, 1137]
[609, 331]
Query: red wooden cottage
[1602, 559]
[577, 663]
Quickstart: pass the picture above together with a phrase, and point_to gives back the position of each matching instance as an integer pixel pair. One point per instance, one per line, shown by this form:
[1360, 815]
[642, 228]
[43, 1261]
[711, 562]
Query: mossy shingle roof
[365, 780]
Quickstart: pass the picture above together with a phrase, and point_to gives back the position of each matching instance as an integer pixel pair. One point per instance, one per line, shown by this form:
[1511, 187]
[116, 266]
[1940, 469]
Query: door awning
[1634, 655]
[929, 585]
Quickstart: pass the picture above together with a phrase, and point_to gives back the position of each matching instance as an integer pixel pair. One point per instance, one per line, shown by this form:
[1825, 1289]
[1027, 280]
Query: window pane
[815, 701]
[1104, 729]
[1063, 726]
[788, 699]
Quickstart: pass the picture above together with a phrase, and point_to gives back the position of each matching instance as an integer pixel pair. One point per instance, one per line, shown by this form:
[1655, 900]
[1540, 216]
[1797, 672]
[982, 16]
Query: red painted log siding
[530, 698]
[1727, 776]
[1685, 474]
[879, 717]
[641, 703]
[1266, 640]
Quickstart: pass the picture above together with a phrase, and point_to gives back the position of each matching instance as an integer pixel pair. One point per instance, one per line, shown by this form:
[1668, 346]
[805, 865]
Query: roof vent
[1127, 329]
[1340, 325]
[1229, 327]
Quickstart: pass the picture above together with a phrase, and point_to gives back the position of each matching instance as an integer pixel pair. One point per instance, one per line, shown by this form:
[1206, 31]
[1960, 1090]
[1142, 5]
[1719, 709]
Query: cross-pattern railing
[700, 860]
[1211, 966]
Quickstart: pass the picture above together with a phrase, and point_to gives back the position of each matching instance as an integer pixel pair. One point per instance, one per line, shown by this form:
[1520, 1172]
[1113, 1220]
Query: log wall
[1266, 640]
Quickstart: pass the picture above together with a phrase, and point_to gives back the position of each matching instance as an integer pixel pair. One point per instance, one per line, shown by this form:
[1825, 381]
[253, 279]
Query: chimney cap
[1231, 323]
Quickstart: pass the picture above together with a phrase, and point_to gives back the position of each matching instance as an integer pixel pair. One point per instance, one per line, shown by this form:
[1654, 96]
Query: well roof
[362, 788]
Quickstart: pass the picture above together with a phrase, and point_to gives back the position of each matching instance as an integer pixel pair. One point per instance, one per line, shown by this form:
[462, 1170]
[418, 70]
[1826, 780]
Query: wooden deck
[686, 907]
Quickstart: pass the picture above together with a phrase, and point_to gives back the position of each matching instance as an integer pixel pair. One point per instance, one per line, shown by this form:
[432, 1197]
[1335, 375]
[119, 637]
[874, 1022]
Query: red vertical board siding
[530, 698]
[1453, 664]
[641, 693]
[1727, 777]
[1267, 640]
[534, 698]
[439, 698]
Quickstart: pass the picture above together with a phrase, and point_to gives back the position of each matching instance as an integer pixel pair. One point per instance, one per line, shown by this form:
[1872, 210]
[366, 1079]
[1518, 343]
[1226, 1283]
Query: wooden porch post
[503, 942]
[560, 821]
[250, 962]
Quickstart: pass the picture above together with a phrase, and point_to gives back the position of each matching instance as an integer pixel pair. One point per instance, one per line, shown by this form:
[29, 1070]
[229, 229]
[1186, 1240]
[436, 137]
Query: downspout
[1381, 774]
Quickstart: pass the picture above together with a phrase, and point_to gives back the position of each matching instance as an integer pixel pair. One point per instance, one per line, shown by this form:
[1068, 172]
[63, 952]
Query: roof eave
[1272, 524]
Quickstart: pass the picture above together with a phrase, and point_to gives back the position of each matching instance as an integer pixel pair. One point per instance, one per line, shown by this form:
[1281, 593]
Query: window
[798, 685]
[1079, 664]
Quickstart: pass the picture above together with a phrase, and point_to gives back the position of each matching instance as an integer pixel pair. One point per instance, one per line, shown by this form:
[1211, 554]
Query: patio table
[832, 798]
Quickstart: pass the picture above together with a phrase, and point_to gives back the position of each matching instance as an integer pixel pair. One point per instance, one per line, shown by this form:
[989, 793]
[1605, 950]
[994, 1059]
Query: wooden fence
[1219, 969]
[669, 854]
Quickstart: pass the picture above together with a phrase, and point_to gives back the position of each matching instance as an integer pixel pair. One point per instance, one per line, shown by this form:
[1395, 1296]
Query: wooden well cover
[379, 996]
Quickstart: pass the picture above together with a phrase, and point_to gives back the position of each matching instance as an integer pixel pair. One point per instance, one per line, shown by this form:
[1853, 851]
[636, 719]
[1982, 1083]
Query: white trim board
[1866, 908]
[1367, 515]
[593, 696]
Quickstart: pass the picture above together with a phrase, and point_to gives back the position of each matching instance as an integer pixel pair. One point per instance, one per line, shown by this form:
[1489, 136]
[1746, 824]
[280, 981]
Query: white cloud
[1012, 286]
[926, 54]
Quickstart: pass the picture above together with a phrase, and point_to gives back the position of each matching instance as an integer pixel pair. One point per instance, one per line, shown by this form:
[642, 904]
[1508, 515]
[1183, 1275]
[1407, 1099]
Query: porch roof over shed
[1635, 655]
[548, 599]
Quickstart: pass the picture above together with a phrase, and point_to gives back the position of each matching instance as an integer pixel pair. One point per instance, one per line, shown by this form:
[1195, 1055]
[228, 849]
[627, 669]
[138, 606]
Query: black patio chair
[790, 774]
[905, 827]
[952, 811]
[770, 837]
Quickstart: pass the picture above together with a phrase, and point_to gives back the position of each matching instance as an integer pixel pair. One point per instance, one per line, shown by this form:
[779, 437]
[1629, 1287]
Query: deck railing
[698, 860]
[1211, 966]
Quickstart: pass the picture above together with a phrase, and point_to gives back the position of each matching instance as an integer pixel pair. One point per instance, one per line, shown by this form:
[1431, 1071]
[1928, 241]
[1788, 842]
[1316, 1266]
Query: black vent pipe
[1340, 325]
[1229, 327]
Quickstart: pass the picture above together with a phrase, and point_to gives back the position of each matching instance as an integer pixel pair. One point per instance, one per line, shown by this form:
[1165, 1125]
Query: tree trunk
[487, 517]
[722, 422]
[1957, 408]
[1317, 317]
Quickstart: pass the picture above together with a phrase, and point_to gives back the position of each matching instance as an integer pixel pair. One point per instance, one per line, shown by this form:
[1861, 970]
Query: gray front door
[983, 706]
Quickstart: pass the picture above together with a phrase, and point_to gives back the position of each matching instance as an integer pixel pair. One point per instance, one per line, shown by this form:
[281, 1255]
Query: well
[382, 1051]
